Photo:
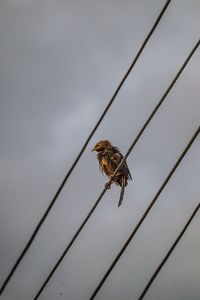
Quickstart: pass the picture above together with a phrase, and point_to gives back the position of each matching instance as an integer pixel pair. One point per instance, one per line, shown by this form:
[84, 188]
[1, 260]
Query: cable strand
[157, 106]
[168, 253]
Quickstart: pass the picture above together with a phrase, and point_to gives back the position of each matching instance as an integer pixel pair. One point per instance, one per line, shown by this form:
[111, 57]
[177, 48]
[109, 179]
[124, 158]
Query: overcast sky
[61, 61]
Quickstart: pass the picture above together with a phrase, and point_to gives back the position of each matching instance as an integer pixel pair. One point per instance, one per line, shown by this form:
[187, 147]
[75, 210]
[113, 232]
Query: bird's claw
[107, 185]
[113, 178]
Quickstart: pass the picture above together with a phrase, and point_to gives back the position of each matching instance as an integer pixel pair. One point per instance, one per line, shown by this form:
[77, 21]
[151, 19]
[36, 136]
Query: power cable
[168, 253]
[145, 214]
[128, 152]
[31, 239]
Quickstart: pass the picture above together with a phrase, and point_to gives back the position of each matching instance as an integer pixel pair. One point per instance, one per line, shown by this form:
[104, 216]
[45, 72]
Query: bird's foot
[108, 185]
[113, 178]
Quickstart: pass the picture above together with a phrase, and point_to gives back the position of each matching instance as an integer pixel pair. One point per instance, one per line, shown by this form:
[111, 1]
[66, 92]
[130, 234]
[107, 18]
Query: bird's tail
[122, 191]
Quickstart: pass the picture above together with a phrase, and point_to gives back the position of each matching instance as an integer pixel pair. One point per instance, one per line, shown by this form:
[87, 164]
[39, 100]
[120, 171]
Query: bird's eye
[99, 147]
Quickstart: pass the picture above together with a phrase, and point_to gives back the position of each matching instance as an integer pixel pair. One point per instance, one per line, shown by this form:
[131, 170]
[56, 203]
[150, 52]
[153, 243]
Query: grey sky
[60, 63]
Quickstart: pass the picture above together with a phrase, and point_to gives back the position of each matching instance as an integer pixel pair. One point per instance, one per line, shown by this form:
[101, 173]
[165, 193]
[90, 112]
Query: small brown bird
[109, 158]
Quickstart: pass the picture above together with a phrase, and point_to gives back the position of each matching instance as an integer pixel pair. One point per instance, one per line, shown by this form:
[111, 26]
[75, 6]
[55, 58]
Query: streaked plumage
[109, 158]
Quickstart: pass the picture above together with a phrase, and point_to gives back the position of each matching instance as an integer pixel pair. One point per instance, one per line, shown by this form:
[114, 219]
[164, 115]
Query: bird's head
[102, 145]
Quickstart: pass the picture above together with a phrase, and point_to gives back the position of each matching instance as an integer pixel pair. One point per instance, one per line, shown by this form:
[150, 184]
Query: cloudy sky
[61, 61]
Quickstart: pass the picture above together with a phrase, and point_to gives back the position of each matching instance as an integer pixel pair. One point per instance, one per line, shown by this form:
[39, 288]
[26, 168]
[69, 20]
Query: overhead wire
[168, 253]
[145, 214]
[33, 235]
[127, 154]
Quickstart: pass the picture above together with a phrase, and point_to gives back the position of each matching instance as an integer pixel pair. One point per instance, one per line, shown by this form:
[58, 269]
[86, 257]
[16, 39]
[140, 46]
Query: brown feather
[109, 158]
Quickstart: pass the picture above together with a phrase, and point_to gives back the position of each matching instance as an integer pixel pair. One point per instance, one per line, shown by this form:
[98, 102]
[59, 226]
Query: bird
[109, 158]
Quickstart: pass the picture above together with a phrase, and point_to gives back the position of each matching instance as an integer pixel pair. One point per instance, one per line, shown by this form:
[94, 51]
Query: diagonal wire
[82, 150]
[168, 253]
[145, 214]
[128, 152]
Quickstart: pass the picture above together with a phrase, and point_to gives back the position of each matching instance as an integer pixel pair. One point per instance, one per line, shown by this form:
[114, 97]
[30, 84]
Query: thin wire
[145, 214]
[168, 253]
[157, 106]
[128, 152]
[82, 150]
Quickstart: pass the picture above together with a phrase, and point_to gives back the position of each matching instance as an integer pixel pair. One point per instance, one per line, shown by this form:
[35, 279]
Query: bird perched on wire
[109, 158]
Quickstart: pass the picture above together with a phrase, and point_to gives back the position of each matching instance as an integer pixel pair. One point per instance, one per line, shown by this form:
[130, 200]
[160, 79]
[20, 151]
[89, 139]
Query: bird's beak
[93, 149]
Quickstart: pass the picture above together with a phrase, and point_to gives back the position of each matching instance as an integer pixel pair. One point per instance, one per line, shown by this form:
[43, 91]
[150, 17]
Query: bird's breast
[104, 162]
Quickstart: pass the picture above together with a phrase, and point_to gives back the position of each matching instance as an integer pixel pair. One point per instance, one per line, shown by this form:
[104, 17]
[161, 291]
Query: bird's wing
[129, 173]
[117, 158]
